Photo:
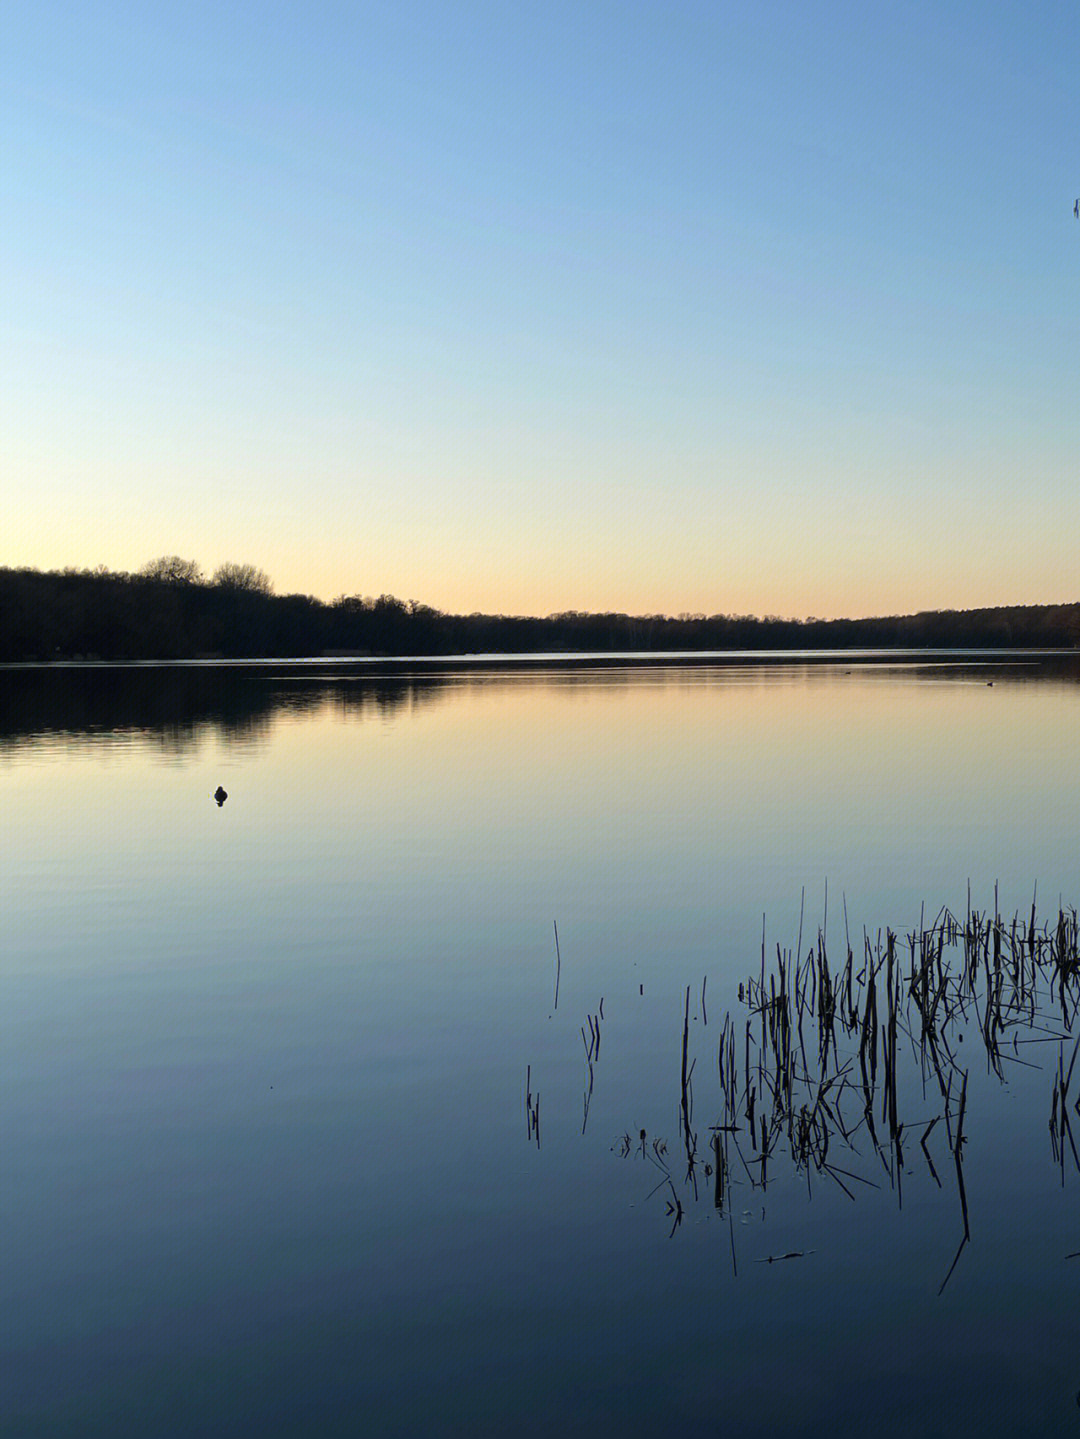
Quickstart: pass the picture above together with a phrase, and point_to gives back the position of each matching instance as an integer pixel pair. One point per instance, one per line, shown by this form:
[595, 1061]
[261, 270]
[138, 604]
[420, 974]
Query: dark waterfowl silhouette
[1076, 209]
[220, 796]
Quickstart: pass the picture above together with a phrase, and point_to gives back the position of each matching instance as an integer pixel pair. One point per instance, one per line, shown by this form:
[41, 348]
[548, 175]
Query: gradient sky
[730, 307]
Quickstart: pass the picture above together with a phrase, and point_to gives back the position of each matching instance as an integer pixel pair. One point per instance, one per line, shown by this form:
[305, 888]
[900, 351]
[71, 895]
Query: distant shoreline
[562, 659]
[165, 616]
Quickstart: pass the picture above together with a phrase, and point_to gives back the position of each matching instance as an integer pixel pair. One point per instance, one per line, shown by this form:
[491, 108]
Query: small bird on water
[220, 796]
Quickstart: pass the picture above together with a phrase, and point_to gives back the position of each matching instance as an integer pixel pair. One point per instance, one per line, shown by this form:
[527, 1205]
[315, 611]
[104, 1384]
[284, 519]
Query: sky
[746, 308]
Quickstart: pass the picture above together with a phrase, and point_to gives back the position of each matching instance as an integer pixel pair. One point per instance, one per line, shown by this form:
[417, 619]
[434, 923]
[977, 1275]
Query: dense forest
[168, 610]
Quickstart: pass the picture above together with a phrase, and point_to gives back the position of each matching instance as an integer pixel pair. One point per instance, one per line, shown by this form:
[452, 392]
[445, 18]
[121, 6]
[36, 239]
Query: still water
[270, 1069]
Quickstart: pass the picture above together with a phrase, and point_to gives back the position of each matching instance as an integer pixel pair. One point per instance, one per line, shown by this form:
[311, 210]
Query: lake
[310, 1128]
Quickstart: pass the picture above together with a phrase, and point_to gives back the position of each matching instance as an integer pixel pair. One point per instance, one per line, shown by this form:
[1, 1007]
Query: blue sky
[744, 308]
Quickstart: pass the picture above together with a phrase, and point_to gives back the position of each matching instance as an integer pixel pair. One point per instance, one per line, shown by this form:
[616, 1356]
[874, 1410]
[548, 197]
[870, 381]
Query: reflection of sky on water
[365, 926]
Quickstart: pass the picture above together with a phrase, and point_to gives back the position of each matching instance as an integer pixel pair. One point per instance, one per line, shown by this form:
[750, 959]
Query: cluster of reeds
[812, 1069]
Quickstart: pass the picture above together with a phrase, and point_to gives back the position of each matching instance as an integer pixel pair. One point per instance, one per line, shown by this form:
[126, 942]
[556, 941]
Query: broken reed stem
[558, 963]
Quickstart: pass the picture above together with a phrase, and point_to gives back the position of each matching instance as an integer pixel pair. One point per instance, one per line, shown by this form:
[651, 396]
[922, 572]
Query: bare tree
[230, 576]
[172, 570]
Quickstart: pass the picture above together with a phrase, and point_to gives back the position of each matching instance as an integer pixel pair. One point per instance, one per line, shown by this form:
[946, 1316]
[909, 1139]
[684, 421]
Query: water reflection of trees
[817, 1072]
[174, 709]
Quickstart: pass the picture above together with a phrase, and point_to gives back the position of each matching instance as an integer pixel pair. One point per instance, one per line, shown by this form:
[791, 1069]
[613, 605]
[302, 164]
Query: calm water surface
[267, 1166]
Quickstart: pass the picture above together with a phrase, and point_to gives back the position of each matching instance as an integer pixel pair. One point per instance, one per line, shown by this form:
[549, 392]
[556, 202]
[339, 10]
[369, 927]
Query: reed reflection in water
[837, 1095]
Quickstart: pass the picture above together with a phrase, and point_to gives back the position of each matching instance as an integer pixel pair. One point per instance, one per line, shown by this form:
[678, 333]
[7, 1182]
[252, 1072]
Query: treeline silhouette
[169, 611]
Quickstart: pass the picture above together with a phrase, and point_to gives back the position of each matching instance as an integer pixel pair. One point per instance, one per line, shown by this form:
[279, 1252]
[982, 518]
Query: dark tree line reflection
[173, 705]
[176, 706]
